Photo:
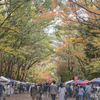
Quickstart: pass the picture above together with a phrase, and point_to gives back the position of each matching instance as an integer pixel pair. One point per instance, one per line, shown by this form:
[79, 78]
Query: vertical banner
[75, 80]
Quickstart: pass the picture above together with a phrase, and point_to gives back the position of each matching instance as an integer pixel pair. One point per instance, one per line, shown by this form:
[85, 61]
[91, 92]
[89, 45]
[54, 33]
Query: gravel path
[24, 97]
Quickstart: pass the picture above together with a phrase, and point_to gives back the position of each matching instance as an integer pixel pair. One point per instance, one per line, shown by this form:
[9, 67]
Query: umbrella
[83, 82]
[96, 81]
[11, 81]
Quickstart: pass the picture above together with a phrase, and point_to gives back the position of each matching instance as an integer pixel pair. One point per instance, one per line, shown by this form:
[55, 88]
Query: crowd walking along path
[25, 97]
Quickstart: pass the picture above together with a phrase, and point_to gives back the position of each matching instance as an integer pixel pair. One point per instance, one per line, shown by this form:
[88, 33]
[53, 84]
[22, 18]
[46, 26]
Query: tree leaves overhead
[23, 41]
[78, 38]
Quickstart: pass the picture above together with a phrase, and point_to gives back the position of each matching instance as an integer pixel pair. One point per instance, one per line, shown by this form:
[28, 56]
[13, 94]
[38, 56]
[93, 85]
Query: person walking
[62, 91]
[27, 88]
[46, 91]
[41, 91]
[4, 93]
[53, 90]
[8, 90]
[73, 91]
[70, 90]
[34, 92]
[16, 89]
[88, 91]
[76, 92]
[66, 94]
[20, 88]
[1, 90]
[80, 93]
[38, 94]
[30, 89]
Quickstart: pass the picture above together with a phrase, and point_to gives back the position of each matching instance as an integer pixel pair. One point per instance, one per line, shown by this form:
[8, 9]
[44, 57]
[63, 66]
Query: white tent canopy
[5, 78]
[18, 82]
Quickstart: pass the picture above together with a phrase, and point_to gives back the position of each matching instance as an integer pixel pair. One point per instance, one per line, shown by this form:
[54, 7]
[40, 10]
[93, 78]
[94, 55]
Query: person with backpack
[34, 91]
[20, 88]
[46, 91]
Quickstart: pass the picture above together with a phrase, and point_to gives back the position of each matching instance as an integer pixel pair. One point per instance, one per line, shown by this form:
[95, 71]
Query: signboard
[75, 80]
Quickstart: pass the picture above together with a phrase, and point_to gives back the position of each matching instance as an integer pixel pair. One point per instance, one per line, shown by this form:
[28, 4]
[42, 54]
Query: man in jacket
[1, 90]
[34, 92]
[53, 89]
[88, 91]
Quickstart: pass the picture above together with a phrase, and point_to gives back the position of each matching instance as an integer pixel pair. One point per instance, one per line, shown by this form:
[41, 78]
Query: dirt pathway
[24, 97]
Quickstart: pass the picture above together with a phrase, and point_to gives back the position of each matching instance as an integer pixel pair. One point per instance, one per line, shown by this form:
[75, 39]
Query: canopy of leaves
[23, 41]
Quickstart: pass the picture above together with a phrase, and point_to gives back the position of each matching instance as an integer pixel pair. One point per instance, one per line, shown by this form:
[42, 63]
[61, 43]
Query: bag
[42, 96]
[93, 96]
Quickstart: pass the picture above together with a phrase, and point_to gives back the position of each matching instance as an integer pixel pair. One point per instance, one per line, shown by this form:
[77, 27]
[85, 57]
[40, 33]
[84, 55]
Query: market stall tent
[18, 82]
[91, 80]
[11, 81]
[73, 82]
[83, 82]
[96, 81]
[5, 78]
[68, 81]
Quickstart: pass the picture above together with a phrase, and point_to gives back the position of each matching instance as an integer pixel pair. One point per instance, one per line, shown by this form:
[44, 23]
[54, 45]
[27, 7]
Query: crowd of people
[8, 89]
[53, 91]
[62, 91]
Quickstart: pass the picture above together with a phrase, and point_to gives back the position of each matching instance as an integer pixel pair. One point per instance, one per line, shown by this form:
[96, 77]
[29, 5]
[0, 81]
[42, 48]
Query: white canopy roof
[18, 82]
[5, 79]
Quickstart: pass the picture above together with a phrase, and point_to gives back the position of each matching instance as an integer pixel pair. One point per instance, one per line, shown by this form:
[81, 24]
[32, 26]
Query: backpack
[45, 88]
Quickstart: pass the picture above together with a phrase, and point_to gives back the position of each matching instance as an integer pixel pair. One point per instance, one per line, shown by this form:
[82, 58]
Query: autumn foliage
[47, 77]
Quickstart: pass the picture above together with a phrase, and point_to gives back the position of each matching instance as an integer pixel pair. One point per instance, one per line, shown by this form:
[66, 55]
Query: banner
[75, 80]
